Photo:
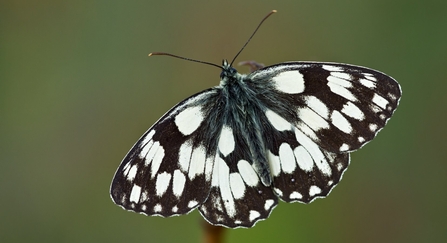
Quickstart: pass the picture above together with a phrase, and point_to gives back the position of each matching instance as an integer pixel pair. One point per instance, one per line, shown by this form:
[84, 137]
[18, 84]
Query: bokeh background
[77, 90]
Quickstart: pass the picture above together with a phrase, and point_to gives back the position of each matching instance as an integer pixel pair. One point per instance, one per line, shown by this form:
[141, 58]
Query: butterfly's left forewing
[168, 171]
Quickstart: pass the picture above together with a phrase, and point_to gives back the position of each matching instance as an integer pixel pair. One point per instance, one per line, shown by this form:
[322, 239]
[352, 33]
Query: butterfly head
[228, 72]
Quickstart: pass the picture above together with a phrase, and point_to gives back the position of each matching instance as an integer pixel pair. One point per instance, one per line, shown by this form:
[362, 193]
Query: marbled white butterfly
[284, 131]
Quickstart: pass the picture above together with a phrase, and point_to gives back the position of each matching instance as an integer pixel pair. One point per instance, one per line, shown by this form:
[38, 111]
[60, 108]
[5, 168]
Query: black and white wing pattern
[168, 171]
[284, 131]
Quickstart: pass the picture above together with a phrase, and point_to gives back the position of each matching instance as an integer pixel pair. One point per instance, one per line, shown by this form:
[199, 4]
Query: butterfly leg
[252, 65]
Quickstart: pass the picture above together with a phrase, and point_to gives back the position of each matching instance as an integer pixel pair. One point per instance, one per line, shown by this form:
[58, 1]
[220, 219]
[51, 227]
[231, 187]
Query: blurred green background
[77, 90]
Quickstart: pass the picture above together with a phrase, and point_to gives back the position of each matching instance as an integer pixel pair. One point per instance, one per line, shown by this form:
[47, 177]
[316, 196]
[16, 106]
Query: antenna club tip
[274, 11]
[150, 54]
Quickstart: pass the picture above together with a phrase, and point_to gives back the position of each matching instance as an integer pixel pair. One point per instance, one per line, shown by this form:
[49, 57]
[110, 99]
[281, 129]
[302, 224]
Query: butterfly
[284, 131]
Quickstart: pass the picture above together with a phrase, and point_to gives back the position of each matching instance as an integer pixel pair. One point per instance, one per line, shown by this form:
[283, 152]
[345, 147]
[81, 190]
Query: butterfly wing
[340, 107]
[168, 171]
[314, 115]
[300, 169]
[238, 197]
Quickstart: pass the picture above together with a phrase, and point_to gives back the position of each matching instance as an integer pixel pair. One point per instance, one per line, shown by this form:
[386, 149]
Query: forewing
[168, 171]
[340, 107]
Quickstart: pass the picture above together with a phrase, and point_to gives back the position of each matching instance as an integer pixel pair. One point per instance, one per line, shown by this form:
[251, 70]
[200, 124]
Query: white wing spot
[341, 122]
[317, 105]
[158, 208]
[361, 139]
[287, 158]
[144, 196]
[351, 110]
[339, 166]
[147, 144]
[392, 96]
[303, 159]
[253, 215]
[382, 116]
[203, 209]
[277, 121]
[197, 166]
[148, 137]
[132, 173]
[217, 204]
[247, 173]
[331, 68]
[344, 147]
[145, 149]
[178, 183]
[175, 209]
[314, 151]
[372, 127]
[307, 130]
[268, 204]
[162, 183]
[135, 194]
[126, 168]
[224, 185]
[289, 82]
[209, 163]
[150, 155]
[341, 81]
[143, 207]
[277, 191]
[342, 91]
[226, 141]
[192, 203]
[295, 195]
[370, 77]
[314, 190]
[156, 162]
[237, 185]
[189, 120]
[342, 75]
[312, 119]
[375, 108]
[275, 166]
[380, 101]
[184, 156]
[329, 183]
[367, 83]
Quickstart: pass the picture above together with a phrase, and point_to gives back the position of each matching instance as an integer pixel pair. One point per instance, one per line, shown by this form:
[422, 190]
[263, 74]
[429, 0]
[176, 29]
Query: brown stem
[211, 233]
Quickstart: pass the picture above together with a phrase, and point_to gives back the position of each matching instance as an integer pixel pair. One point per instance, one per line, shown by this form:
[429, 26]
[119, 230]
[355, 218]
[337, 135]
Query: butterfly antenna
[184, 58]
[262, 21]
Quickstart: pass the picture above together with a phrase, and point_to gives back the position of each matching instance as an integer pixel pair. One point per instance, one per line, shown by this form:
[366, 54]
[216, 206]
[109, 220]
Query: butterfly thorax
[241, 109]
